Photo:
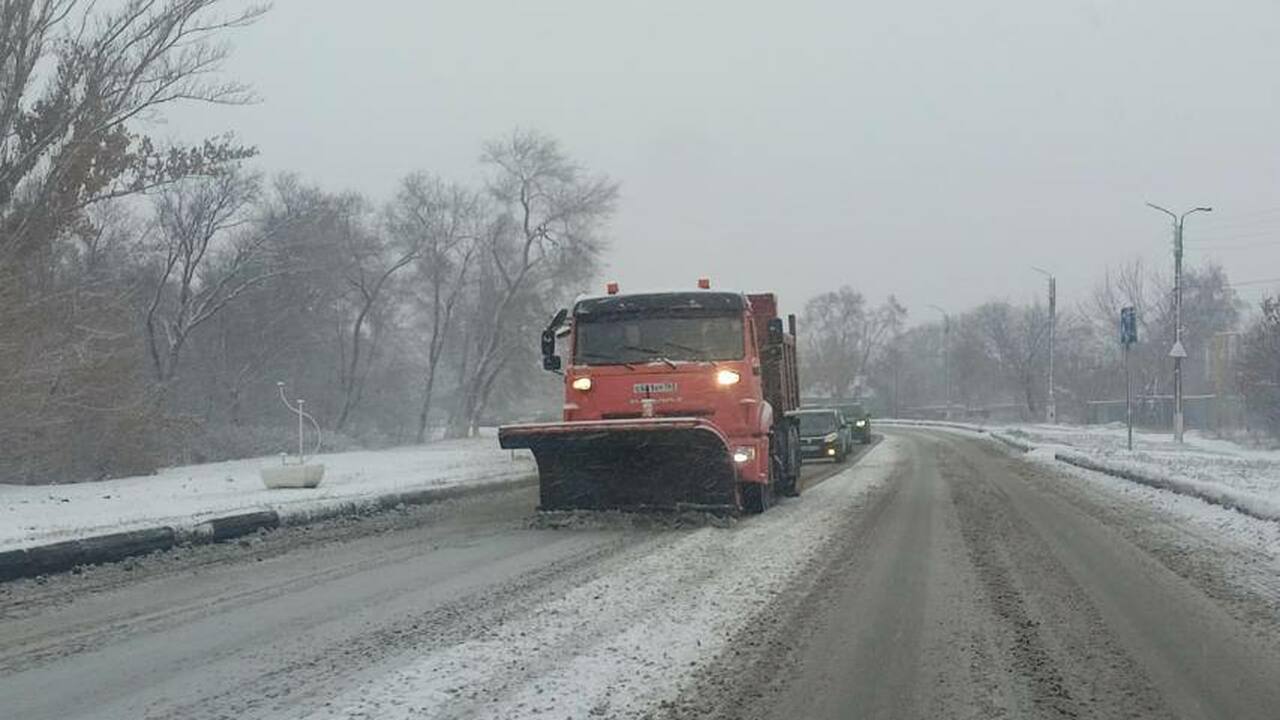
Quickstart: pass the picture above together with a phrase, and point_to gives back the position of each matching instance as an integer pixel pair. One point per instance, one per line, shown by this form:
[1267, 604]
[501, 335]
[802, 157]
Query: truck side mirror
[775, 331]
[550, 361]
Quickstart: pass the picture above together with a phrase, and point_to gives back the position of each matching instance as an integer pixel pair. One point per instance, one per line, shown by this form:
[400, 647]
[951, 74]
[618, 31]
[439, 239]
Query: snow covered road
[464, 605]
[937, 577]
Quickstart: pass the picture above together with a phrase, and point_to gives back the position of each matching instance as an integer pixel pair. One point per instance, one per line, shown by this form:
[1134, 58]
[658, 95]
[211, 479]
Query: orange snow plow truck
[673, 400]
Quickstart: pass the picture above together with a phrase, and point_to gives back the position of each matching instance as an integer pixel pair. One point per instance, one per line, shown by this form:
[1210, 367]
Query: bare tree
[843, 336]
[1260, 369]
[445, 223]
[67, 141]
[547, 231]
[1016, 340]
[75, 76]
[205, 261]
[370, 259]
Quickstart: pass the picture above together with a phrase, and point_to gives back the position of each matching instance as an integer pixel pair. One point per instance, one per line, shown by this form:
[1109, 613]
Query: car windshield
[817, 423]
[618, 340]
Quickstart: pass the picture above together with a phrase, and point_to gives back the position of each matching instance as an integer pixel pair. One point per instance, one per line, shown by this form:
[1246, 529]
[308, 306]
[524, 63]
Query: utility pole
[946, 358]
[1177, 352]
[1051, 408]
[1128, 336]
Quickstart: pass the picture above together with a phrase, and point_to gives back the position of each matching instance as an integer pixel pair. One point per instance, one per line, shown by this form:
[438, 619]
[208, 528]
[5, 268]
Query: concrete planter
[293, 476]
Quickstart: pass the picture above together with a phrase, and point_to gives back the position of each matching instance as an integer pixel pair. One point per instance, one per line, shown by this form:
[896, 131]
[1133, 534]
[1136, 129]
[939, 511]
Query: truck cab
[671, 399]
[677, 354]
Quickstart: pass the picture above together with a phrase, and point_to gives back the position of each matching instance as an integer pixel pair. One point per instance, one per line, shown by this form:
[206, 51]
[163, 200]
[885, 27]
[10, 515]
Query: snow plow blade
[658, 464]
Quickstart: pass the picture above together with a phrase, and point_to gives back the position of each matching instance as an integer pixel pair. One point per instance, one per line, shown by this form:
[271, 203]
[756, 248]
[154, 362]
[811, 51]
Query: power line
[1246, 283]
[1210, 247]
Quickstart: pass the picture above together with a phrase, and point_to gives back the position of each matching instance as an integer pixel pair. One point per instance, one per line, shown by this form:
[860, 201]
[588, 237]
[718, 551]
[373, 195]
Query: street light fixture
[1051, 408]
[1177, 352]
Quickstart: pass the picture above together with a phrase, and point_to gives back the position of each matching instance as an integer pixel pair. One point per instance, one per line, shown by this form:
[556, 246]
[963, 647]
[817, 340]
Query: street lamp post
[1177, 352]
[946, 359]
[1051, 408]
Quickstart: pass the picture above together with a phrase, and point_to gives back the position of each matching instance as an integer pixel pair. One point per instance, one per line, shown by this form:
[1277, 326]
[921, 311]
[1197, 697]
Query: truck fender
[766, 418]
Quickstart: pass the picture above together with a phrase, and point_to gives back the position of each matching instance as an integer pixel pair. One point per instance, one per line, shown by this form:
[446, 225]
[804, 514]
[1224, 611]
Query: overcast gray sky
[930, 149]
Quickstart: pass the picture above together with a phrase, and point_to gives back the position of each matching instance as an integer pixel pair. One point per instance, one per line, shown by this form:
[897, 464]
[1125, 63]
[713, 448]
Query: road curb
[229, 527]
[67, 554]
[62, 556]
[389, 501]
[1252, 506]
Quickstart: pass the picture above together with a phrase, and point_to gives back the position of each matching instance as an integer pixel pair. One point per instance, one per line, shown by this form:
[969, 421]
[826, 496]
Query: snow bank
[1216, 471]
[891, 422]
[183, 497]
[621, 645]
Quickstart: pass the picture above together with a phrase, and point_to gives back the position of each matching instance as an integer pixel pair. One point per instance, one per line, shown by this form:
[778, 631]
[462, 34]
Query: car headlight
[831, 437]
[861, 423]
[743, 455]
[582, 383]
[727, 377]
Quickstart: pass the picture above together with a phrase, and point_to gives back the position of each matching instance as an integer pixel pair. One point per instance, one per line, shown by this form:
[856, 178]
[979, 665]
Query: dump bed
[778, 366]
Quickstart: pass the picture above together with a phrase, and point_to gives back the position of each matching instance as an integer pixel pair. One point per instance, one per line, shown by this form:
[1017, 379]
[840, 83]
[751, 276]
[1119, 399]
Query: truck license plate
[653, 388]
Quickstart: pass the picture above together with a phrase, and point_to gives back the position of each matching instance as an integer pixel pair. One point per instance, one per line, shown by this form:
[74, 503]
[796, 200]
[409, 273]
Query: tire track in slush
[1060, 646]
[938, 597]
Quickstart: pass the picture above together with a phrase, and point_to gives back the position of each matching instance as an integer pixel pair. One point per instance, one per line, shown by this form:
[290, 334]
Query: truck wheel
[755, 497]
[792, 486]
[784, 462]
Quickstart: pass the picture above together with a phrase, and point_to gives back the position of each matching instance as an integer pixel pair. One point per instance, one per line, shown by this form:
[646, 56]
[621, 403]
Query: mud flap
[666, 464]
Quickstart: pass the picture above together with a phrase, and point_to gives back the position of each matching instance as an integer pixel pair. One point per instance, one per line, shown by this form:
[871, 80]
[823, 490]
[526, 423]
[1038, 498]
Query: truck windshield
[618, 340]
[817, 423]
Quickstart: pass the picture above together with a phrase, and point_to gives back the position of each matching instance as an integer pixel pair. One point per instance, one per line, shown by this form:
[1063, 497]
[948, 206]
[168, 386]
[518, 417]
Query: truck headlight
[727, 377]
[582, 383]
[861, 423]
[831, 437]
[743, 455]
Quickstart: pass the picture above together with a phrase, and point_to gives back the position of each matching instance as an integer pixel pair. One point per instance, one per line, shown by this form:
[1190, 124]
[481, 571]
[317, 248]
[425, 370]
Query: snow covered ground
[185, 496]
[675, 607]
[1201, 459]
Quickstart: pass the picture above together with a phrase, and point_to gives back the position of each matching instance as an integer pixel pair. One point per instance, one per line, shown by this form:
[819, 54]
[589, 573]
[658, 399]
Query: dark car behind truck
[824, 433]
[859, 422]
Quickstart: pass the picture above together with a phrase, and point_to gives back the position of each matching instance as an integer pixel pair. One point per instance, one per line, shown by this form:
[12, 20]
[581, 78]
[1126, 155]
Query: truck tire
[755, 497]
[784, 459]
[791, 485]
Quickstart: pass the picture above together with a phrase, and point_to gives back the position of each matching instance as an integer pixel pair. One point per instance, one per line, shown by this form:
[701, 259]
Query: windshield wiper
[610, 358]
[657, 356]
[700, 355]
